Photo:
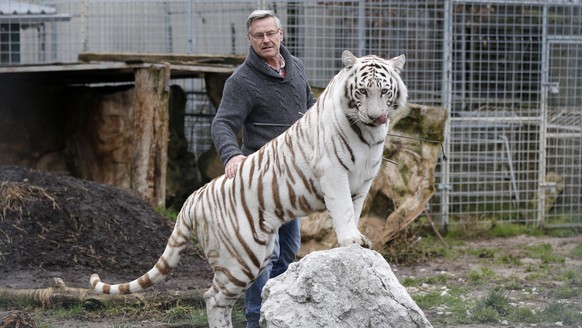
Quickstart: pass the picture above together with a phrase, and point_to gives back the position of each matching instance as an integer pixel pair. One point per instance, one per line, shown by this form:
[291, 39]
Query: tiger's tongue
[380, 120]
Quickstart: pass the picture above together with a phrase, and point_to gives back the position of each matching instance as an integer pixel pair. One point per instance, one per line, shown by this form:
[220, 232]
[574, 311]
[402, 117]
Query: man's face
[265, 38]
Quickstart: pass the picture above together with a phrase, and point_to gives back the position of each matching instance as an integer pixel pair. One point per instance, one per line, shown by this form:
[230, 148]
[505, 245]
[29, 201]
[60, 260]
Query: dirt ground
[57, 226]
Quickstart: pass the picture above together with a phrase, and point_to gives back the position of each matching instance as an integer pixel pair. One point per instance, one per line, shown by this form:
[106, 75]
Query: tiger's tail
[163, 267]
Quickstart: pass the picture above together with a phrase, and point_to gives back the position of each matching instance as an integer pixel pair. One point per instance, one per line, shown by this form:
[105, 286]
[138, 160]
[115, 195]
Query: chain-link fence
[509, 72]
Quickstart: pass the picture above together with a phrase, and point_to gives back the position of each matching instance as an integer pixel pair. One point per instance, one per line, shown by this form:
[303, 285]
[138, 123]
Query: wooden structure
[146, 154]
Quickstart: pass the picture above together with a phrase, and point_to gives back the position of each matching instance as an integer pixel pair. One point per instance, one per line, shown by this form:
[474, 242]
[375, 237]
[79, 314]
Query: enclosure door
[562, 182]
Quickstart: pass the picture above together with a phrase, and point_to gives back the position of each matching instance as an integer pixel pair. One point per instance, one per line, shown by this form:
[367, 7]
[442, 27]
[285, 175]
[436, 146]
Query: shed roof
[23, 8]
[22, 12]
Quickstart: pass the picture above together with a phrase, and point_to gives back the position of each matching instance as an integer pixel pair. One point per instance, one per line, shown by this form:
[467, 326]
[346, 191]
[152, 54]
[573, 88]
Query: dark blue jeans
[287, 243]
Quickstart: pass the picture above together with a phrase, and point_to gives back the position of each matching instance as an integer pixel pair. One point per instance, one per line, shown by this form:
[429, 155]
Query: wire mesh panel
[495, 82]
[318, 32]
[503, 156]
[562, 201]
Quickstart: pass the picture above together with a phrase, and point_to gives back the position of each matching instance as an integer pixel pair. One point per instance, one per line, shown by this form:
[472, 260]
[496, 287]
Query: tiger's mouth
[377, 121]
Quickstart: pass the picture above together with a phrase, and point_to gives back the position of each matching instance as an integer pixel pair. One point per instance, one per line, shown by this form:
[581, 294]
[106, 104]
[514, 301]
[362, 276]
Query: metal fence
[513, 85]
[509, 72]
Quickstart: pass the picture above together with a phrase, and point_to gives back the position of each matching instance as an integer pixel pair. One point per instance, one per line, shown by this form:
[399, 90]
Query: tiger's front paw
[357, 238]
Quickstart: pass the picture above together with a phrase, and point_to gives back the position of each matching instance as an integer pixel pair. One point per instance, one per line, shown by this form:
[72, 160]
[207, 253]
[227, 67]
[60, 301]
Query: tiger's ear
[348, 59]
[398, 63]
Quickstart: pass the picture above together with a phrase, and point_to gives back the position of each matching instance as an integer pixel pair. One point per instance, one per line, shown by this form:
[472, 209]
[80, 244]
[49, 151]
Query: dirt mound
[57, 226]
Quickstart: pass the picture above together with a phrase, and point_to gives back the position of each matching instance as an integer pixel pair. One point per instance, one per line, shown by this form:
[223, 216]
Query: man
[264, 96]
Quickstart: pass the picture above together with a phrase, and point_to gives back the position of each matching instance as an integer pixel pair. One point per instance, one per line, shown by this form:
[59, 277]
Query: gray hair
[258, 14]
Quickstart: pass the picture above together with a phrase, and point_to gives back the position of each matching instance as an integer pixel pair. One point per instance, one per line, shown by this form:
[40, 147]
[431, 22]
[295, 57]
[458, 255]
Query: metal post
[446, 103]
[191, 26]
[84, 25]
[543, 116]
[361, 27]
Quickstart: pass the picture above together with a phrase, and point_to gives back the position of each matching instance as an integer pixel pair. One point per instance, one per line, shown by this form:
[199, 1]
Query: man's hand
[232, 166]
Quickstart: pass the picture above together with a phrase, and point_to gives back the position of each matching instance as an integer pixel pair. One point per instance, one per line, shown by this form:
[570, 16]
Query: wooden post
[150, 140]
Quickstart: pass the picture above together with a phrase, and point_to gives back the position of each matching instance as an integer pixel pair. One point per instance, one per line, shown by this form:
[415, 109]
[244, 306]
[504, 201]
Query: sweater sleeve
[229, 119]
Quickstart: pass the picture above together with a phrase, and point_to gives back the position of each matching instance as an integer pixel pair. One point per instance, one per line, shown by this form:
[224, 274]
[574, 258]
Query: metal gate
[513, 84]
[560, 196]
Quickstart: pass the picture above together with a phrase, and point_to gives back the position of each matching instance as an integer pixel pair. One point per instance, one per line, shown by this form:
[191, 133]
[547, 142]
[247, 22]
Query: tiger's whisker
[390, 161]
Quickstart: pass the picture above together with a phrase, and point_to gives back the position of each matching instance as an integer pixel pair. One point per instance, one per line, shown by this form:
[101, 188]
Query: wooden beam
[150, 142]
[156, 58]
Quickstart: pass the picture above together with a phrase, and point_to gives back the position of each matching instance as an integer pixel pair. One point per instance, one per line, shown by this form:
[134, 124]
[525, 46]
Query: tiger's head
[374, 90]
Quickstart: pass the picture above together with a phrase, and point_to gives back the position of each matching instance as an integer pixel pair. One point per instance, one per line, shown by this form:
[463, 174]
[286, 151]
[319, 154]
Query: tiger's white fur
[326, 160]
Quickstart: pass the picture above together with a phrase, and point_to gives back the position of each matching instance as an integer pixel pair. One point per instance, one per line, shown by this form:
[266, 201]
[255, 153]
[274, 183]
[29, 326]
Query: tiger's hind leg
[219, 307]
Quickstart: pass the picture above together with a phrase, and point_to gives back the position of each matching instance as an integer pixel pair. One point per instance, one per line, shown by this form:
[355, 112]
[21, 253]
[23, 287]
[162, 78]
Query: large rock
[343, 287]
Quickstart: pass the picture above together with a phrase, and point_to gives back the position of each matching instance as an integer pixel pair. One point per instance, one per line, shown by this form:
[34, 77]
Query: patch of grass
[491, 308]
[537, 271]
[439, 279]
[405, 252]
[470, 230]
[178, 312]
[564, 292]
[238, 312]
[577, 252]
[435, 299]
[74, 310]
[480, 276]
[523, 314]
[484, 314]
[562, 233]
[509, 259]
[545, 253]
[483, 252]
[513, 284]
[488, 227]
[571, 277]
[167, 213]
[41, 324]
[511, 230]
[199, 317]
[454, 301]
[568, 314]
[411, 282]
[16, 302]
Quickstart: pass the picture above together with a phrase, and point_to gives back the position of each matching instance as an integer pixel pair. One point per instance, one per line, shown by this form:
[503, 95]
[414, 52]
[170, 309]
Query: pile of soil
[53, 225]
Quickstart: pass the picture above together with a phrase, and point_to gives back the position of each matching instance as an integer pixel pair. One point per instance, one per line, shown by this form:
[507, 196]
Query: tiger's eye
[363, 91]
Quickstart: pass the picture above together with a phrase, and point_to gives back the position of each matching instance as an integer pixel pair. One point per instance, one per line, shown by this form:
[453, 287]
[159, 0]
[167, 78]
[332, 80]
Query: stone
[342, 287]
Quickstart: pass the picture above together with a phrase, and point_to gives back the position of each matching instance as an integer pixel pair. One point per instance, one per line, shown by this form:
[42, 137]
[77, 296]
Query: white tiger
[326, 160]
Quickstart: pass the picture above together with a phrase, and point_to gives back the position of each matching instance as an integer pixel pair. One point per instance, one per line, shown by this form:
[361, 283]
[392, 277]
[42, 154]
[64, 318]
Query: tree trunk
[149, 152]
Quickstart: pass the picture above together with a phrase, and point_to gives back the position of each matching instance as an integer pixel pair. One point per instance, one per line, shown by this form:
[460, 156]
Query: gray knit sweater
[255, 95]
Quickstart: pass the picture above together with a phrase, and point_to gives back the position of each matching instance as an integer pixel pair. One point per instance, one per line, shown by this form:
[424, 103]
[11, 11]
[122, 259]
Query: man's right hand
[232, 166]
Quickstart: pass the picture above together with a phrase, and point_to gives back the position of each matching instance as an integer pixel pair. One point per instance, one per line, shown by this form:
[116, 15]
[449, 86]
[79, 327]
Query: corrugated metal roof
[23, 8]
